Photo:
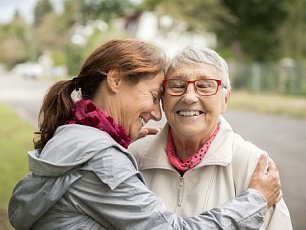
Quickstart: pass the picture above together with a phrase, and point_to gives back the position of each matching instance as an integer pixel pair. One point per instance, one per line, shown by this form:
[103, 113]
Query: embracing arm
[244, 163]
[277, 216]
[130, 205]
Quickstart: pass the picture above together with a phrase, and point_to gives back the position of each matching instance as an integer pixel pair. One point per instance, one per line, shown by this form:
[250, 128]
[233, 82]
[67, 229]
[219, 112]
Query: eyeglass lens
[203, 86]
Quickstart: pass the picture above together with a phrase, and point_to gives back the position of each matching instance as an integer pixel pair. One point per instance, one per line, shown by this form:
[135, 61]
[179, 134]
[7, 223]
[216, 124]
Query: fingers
[267, 181]
[271, 165]
[274, 175]
[143, 132]
[272, 170]
[277, 196]
[148, 131]
[152, 130]
[280, 196]
[261, 165]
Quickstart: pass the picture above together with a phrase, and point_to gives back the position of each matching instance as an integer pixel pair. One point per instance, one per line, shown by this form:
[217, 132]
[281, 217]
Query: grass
[291, 106]
[15, 140]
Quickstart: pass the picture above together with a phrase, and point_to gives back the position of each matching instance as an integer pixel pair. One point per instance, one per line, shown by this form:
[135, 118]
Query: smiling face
[191, 115]
[139, 103]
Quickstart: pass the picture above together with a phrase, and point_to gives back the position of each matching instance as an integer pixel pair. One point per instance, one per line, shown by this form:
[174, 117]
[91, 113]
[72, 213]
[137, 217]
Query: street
[283, 138]
[25, 96]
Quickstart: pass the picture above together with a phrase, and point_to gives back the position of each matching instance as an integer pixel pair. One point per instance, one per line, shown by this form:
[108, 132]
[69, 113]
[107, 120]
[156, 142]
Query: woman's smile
[189, 113]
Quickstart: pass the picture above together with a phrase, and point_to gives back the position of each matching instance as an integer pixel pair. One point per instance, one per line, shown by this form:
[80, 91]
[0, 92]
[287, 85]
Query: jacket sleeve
[131, 205]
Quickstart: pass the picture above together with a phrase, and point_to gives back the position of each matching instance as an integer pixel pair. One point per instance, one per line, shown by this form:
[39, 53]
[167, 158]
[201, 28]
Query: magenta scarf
[85, 112]
[193, 160]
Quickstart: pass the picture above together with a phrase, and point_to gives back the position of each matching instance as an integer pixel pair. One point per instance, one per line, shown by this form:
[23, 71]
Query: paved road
[24, 95]
[285, 141]
[283, 138]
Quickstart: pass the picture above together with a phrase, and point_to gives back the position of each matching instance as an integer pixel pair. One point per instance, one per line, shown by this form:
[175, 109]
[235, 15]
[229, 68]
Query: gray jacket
[83, 179]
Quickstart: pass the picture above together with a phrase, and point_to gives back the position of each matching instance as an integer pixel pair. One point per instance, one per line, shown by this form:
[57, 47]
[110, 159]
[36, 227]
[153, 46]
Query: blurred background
[264, 43]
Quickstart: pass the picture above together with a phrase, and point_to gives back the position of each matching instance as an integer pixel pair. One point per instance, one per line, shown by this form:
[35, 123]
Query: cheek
[145, 105]
[168, 110]
[213, 105]
[168, 104]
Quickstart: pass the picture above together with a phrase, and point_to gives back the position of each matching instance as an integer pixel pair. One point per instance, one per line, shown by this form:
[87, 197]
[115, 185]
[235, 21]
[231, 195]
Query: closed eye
[156, 98]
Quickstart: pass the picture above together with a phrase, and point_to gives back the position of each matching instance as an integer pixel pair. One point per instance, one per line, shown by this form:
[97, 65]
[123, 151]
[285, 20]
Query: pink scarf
[193, 160]
[85, 112]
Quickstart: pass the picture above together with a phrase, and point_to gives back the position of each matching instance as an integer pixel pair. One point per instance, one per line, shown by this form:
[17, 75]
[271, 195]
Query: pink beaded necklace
[190, 162]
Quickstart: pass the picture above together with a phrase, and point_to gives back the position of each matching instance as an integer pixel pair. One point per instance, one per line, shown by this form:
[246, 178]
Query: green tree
[248, 28]
[105, 10]
[293, 32]
[199, 15]
[52, 33]
[42, 8]
[254, 32]
[14, 42]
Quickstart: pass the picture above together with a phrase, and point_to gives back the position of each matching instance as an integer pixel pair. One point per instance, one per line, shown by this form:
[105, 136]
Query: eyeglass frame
[219, 82]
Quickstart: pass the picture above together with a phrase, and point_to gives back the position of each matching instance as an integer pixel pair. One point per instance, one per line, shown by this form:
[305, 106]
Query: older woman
[83, 177]
[197, 162]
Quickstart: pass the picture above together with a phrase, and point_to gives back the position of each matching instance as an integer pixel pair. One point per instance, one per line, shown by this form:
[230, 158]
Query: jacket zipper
[180, 191]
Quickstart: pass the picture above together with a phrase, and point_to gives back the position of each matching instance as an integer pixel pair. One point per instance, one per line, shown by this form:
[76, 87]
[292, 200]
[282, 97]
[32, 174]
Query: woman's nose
[190, 96]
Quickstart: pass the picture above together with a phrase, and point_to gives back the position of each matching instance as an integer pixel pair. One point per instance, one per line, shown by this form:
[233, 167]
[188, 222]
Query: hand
[266, 180]
[147, 131]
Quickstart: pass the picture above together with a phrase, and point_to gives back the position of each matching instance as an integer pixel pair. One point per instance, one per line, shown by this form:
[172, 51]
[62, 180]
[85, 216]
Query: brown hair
[133, 59]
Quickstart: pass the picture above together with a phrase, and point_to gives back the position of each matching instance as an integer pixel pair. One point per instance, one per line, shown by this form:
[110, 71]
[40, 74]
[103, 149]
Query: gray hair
[191, 55]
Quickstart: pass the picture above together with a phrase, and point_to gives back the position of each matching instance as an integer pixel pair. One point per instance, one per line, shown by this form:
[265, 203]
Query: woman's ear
[113, 80]
[225, 102]
[227, 96]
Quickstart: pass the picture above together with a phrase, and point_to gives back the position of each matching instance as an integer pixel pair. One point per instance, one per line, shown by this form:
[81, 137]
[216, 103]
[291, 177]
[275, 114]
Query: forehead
[193, 71]
[153, 83]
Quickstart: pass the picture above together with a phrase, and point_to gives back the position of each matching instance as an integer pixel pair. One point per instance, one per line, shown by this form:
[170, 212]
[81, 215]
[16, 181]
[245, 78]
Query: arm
[130, 205]
[278, 216]
[244, 163]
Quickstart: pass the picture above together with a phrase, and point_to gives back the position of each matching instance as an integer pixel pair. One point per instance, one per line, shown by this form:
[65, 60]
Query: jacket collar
[72, 145]
[219, 153]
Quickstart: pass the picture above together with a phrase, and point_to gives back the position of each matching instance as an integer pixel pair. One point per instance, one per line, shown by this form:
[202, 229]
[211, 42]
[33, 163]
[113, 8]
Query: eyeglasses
[204, 87]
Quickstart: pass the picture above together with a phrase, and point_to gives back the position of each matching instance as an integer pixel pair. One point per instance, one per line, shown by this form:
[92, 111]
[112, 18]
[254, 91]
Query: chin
[134, 130]
[134, 134]
[133, 137]
[190, 131]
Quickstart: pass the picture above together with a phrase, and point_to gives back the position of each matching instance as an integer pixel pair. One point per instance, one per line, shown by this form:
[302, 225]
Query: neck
[105, 101]
[185, 146]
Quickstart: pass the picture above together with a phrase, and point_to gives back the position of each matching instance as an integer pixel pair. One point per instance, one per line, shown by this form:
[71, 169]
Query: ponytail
[135, 60]
[55, 111]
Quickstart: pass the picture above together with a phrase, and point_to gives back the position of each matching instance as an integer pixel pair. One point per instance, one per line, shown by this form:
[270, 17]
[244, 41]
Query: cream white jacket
[224, 172]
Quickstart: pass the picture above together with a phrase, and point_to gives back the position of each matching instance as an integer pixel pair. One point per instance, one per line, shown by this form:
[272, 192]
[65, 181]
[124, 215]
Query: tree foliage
[42, 8]
[52, 31]
[254, 29]
[293, 31]
[14, 42]
[81, 11]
